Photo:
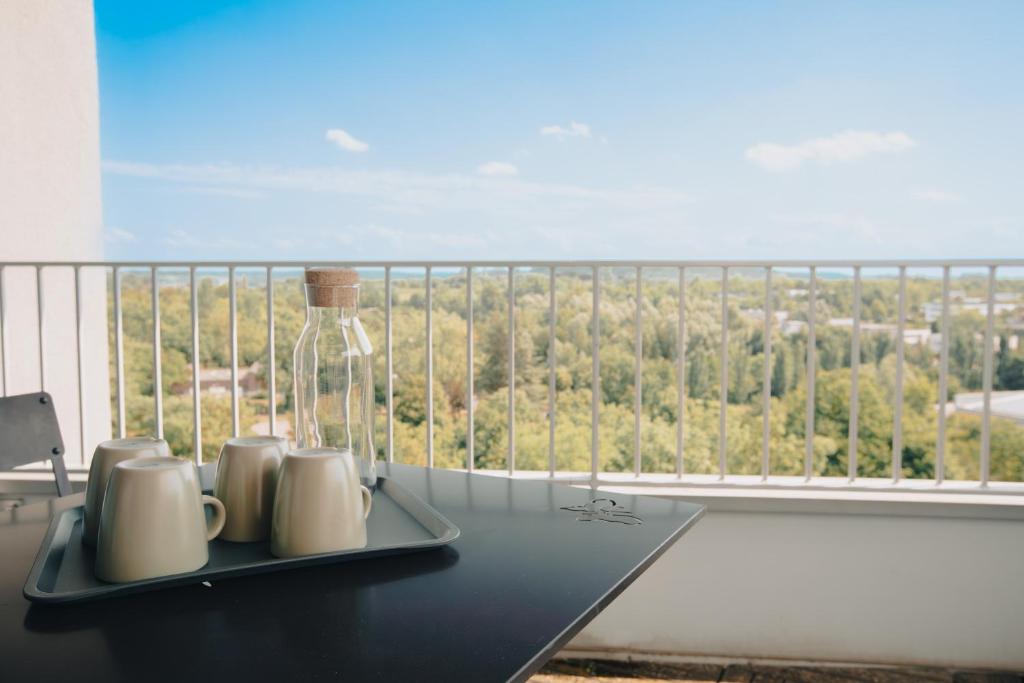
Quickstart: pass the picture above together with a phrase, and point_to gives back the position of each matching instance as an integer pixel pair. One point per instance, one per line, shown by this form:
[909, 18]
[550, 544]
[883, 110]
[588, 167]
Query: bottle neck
[326, 304]
[333, 315]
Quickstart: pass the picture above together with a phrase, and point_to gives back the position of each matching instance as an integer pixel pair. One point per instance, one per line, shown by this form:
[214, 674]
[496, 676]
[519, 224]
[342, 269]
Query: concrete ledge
[754, 582]
[817, 502]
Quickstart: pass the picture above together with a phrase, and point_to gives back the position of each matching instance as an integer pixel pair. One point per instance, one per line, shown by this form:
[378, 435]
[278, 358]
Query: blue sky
[406, 130]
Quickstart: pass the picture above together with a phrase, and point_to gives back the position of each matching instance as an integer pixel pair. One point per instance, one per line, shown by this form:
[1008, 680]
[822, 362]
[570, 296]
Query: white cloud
[415, 240]
[183, 239]
[345, 141]
[939, 196]
[407, 190]
[819, 227]
[1003, 228]
[848, 145]
[497, 168]
[223, 192]
[118, 236]
[575, 130]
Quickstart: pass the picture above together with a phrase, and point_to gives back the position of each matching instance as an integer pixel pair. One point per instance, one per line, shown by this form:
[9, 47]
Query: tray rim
[33, 593]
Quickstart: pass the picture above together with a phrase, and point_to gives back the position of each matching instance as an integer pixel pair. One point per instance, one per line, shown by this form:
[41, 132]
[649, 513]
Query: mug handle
[367, 501]
[215, 525]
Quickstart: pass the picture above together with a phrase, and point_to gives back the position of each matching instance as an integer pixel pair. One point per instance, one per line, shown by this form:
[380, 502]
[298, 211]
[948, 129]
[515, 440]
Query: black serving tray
[399, 522]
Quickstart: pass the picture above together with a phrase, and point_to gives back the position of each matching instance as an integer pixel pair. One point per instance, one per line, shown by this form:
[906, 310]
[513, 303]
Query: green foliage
[659, 410]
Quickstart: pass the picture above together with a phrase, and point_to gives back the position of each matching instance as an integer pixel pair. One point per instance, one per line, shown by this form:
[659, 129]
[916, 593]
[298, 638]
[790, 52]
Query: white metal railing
[723, 478]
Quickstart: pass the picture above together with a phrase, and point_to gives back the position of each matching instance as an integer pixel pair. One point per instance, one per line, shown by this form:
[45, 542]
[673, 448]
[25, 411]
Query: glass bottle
[334, 404]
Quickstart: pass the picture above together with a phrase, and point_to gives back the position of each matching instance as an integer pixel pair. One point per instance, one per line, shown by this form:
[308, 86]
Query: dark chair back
[29, 433]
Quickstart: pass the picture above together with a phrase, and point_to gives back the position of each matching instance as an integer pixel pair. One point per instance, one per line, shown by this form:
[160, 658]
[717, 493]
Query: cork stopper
[332, 287]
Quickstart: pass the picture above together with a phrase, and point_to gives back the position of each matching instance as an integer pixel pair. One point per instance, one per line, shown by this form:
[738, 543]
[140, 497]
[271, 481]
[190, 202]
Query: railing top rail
[541, 263]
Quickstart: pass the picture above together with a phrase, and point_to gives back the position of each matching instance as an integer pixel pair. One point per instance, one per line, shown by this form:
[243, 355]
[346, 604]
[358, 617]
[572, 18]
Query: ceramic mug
[153, 522]
[320, 507]
[246, 482]
[106, 455]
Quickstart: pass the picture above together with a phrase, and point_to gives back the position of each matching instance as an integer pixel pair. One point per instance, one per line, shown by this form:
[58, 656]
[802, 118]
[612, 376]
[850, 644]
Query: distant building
[1012, 341]
[218, 381]
[785, 326]
[792, 327]
[1005, 404]
[1005, 302]
[757, 314]
[914, 336]
[918, 336]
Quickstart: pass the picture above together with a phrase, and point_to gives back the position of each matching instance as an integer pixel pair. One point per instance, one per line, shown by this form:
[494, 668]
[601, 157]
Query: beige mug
[320, 507]
[246, 482]
[106, 455]
[153, 522]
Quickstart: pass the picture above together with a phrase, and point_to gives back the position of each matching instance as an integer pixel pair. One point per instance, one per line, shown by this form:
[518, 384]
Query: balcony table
[524, 577]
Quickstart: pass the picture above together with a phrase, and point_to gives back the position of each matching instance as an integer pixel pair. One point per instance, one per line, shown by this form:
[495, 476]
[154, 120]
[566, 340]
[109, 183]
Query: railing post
[638, 352]
[158, 390]
[897, 426]
[389, 373]
[595, 378]
[851, 460]
[723, 379]
[233, 325]
[119, 352]
[986, 416]
[470, 428]
[271, 355]
[552, 364]
[681, 374]
[940, 439]
[511, 371]
[812, 370]
[430, 370]
[197, 418]
[766, 381]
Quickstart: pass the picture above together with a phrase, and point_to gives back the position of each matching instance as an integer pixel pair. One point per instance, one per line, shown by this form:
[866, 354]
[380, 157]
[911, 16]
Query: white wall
[50, 205]
[841, 587]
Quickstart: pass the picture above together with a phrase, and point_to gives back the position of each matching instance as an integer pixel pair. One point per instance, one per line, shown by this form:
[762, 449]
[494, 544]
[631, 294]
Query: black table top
[524, 577]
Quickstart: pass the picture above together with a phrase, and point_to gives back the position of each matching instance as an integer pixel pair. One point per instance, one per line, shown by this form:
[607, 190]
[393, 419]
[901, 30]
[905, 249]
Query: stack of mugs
[144, 509]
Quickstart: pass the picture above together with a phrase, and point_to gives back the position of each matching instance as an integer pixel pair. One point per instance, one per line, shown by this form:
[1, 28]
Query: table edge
[567, 634]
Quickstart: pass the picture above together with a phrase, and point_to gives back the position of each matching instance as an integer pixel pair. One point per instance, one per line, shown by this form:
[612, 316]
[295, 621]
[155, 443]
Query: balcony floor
[594, 671]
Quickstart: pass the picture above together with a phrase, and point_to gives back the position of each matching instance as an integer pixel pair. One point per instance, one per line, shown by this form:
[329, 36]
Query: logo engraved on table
[604, 510]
